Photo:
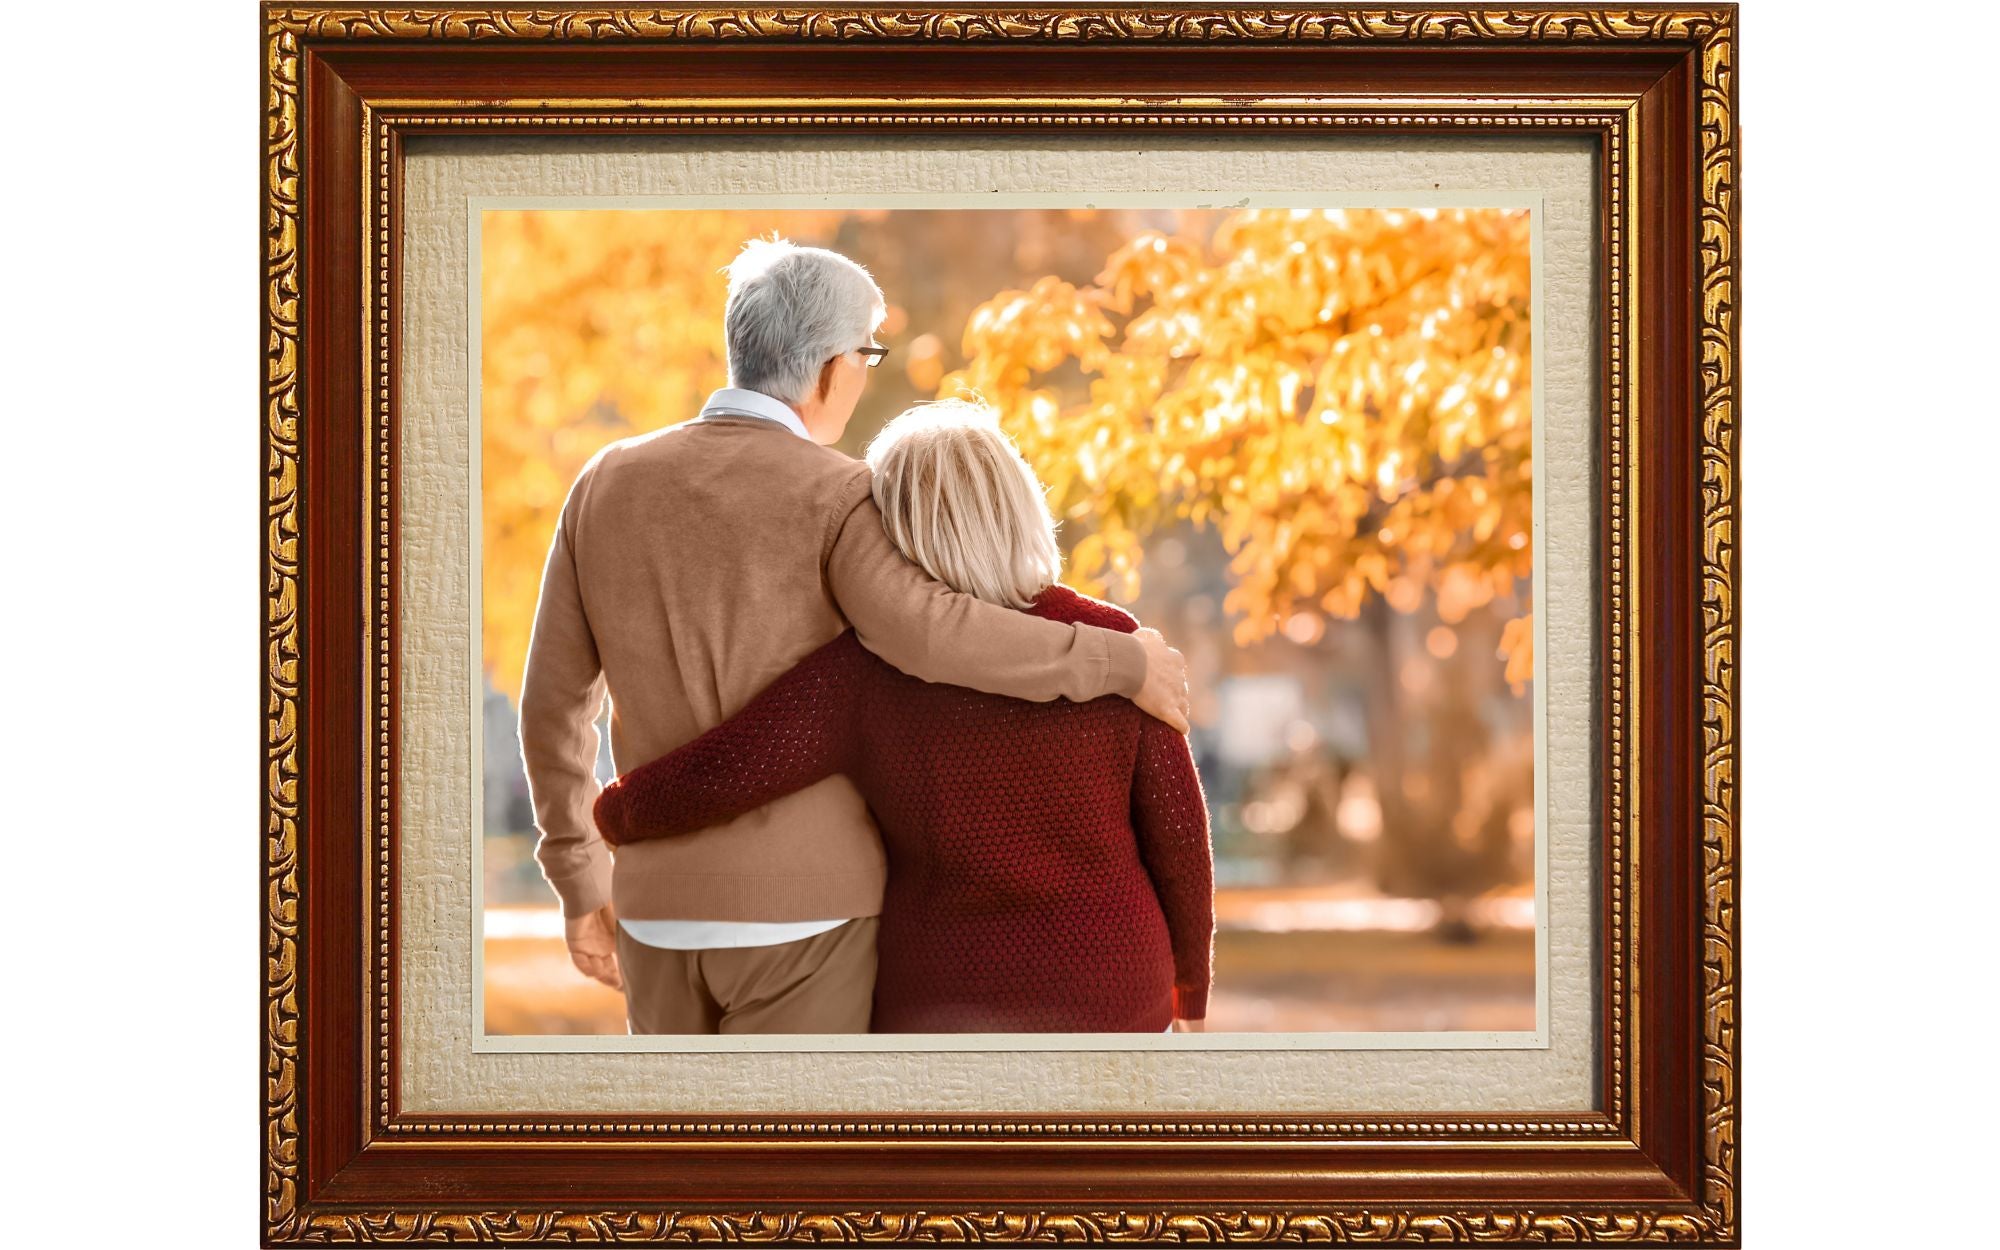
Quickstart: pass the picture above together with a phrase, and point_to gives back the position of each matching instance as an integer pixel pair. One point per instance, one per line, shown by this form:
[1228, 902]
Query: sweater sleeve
[797, 731]
[562, 691]
[1170, 817]
[930, 631]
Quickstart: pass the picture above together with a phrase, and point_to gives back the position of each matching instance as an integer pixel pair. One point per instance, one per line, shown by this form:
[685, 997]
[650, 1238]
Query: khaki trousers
[821, 984]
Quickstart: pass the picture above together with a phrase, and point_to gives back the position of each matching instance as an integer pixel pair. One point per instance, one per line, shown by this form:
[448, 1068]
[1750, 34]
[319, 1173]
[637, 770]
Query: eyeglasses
[873, 354]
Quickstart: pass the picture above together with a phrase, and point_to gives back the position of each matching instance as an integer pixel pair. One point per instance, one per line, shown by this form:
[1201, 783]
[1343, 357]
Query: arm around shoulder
[928, 630]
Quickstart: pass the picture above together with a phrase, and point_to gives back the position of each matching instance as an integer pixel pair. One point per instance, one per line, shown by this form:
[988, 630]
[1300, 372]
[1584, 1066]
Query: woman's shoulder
[1060, 603]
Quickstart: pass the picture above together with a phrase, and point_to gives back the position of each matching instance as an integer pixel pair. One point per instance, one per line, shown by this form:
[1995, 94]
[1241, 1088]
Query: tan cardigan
[689, 568]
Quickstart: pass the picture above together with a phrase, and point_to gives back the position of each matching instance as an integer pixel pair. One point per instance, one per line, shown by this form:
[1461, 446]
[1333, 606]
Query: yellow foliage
[595, 325]
[1343, 394]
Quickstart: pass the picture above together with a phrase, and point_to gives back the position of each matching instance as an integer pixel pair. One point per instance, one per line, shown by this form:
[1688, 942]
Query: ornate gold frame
[345, 86]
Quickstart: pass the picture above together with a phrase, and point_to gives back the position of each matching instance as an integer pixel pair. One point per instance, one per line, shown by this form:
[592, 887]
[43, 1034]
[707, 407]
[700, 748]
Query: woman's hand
[1190, 1026]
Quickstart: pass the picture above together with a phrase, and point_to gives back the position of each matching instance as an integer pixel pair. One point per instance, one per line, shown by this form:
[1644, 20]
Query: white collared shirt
[700, 935]
[734, 401]
[708, 935]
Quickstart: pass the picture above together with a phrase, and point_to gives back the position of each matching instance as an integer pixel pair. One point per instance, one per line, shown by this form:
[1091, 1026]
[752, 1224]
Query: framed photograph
[988, 624]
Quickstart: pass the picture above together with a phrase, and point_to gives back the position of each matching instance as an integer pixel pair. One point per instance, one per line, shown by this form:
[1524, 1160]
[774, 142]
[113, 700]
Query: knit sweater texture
[1049, 864]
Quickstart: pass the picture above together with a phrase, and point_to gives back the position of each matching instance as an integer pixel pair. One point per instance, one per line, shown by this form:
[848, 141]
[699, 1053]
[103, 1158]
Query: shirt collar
[734, 401]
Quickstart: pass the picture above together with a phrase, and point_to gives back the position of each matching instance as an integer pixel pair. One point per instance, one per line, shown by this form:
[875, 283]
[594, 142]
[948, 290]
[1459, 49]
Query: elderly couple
[890, 776]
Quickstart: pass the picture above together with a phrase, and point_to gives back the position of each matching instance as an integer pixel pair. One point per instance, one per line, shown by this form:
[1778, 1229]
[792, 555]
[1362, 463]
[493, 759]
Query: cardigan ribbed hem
[746, 896]
[584, 891]
[1125, 660]
[1190, 1002]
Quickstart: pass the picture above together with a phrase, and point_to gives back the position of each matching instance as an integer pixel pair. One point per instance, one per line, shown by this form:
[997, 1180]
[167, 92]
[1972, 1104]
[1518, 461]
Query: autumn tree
[1342, 394]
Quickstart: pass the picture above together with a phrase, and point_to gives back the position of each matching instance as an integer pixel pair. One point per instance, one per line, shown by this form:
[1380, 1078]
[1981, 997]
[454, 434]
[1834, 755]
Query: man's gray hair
[791, 309]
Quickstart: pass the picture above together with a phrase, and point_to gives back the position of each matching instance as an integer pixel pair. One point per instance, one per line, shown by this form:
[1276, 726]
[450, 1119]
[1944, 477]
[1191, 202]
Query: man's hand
[593, 946]
[1165, 694]
[1189, 1026]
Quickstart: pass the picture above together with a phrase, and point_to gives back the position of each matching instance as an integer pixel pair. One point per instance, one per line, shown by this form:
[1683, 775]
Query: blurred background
[1295, 441]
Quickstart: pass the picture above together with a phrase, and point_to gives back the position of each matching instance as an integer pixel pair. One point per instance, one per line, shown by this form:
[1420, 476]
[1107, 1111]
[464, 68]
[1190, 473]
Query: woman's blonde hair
[957, 498]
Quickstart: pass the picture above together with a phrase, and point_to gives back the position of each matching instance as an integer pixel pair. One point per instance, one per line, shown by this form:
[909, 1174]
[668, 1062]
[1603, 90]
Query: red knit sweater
[1049, 863]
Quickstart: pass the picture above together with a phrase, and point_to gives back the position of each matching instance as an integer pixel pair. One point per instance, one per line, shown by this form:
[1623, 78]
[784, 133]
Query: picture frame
[1654, 86]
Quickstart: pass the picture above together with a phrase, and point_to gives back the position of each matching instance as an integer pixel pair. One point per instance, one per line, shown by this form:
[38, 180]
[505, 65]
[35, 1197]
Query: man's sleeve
[562, 691]
[928, 630]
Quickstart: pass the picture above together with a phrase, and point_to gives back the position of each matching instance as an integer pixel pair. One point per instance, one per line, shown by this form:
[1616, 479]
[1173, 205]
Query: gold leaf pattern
[1719, 565]
[1117, 1227]
[283, 691]
[1097, 23]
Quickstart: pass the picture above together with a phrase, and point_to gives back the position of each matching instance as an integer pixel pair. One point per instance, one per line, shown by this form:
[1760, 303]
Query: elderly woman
[1049, 863]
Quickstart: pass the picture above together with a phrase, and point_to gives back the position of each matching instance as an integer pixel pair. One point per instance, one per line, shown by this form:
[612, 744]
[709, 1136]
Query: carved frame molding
[1659, 1162]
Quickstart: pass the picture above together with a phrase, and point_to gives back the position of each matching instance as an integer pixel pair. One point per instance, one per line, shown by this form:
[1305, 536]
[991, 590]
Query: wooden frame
[343, 88]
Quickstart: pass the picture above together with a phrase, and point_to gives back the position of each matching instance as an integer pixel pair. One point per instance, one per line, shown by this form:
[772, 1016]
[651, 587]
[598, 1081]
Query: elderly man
[689, 568]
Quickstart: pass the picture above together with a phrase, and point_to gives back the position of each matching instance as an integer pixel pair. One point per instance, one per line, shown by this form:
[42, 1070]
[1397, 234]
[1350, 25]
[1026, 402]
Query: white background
[133, 490]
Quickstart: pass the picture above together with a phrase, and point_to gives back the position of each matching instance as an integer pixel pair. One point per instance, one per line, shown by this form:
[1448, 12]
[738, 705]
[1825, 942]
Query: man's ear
[825, 388]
